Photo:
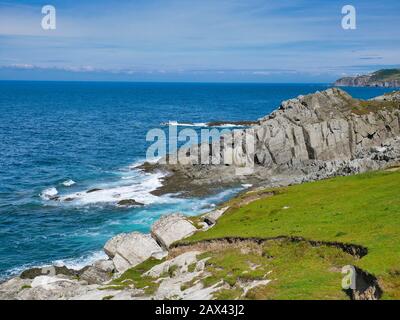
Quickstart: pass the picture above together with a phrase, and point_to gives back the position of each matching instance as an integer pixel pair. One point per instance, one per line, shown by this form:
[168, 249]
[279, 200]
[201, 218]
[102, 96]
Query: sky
[189, 40]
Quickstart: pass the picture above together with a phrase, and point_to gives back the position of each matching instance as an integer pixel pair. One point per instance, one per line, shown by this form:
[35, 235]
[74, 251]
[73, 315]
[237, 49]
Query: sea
[62, 139]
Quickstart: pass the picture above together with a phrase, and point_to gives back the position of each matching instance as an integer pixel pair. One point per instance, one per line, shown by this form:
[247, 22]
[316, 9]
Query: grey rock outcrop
[211, 217]
[104, 265]
[310, 137]
[180, 263]
[322, 126]
[393, 96]
[129, 250]
[171, 228]
[94, 275]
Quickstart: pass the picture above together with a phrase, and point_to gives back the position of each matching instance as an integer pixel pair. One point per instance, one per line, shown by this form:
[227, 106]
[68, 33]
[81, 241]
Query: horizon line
[177, 82]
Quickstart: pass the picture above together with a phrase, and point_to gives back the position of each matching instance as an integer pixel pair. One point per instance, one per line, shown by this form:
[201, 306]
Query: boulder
[129, 250]
[171, 228]
[160, 255]
[110, 248]
[51, 282]
[181, 264]
[54, 288]
[10, 288]
[212, 217]
[93, 275]
[121, 264]
[104, 265]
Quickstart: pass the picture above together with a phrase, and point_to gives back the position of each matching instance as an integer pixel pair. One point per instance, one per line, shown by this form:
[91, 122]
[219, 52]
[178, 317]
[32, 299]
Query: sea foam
[201, 124]
[68, 183]
[49, 193]
[132, 185]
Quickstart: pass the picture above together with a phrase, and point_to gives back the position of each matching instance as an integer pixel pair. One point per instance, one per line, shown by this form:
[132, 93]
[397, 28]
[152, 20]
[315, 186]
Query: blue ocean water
[93, 133]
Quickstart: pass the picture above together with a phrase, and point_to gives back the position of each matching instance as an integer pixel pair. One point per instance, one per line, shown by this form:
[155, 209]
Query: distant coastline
[385, 78]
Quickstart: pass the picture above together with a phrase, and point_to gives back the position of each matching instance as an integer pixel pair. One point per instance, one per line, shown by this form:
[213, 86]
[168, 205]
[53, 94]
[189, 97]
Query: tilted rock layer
[328, 125]
[307, 138]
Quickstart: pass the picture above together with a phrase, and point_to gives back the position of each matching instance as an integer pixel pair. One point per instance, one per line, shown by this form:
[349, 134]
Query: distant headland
[387, 78]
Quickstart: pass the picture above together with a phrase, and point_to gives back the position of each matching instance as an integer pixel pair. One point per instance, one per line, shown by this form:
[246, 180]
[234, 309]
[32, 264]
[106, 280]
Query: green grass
[25, 286]
[362, 209]
[196, 221]
[367, 106]
[134, 276]
[296, 271]
[192, 267]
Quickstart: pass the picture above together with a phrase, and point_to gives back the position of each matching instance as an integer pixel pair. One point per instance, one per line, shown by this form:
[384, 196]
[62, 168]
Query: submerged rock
[93, 190]
[129, 203]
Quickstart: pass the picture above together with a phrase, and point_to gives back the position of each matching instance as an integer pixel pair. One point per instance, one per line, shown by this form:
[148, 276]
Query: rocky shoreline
[309, 138]
[125, 251]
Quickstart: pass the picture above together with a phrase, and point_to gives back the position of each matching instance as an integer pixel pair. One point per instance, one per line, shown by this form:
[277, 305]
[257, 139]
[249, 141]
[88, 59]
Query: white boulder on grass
[171, 228]
[181, 262]
[129, 250]
[213, 216]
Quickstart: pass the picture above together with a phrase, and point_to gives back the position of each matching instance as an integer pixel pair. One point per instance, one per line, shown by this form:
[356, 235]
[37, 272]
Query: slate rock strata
[308, 138]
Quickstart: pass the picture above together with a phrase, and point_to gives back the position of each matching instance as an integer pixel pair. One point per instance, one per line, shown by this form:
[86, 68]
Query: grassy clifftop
[386, 75]
[362, 210]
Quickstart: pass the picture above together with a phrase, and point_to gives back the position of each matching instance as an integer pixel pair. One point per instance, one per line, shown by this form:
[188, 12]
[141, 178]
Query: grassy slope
[296, 271]
[362, 209]
[386, 75]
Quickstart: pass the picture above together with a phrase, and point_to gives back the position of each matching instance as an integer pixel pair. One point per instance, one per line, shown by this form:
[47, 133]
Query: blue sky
[190, 40]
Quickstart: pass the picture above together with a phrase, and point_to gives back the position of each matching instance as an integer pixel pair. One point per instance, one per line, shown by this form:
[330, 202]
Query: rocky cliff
[389, 78]
[307, 138]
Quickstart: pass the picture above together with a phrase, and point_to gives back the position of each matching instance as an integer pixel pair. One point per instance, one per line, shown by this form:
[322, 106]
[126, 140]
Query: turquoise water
[94, 133]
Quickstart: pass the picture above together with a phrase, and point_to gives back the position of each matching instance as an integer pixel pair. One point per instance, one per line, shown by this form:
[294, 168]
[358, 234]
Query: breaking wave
[202, 124]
